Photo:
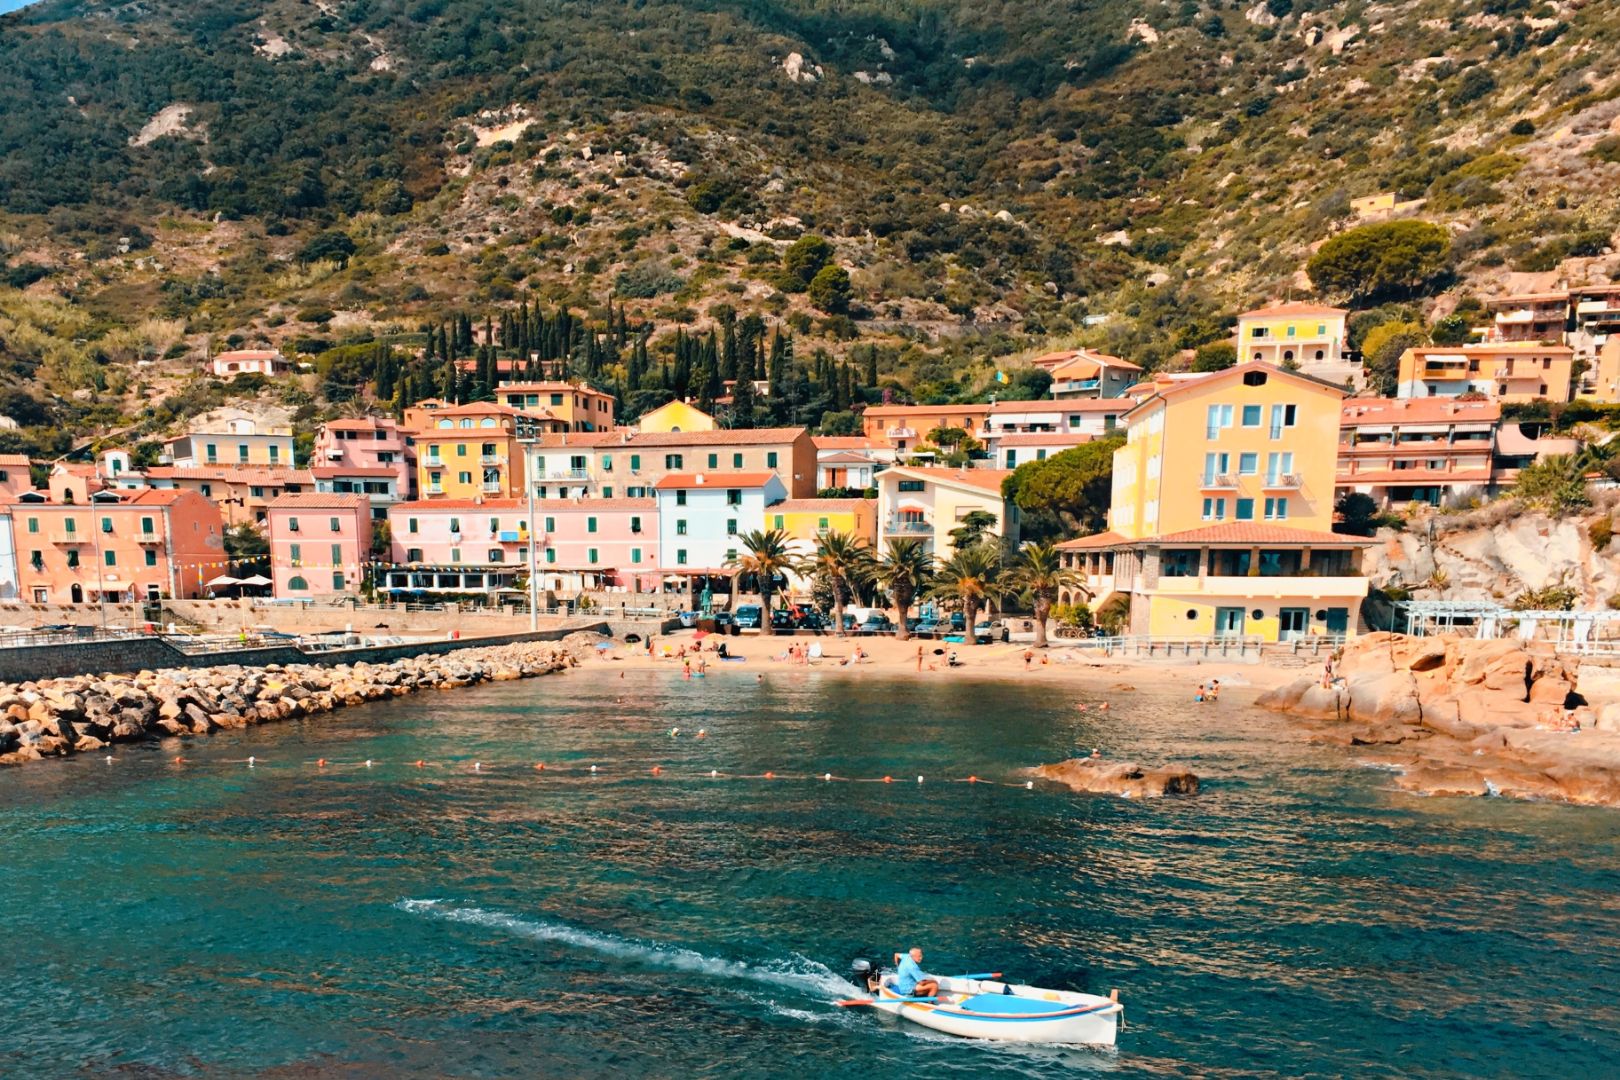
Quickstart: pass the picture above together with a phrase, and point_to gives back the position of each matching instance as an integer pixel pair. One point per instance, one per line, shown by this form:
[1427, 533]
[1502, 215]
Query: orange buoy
[419, 764]
[321, 764]
[657, 769]
[888, 779]
[770, 776]
[179, 761]
[973, 779]
[540, 766]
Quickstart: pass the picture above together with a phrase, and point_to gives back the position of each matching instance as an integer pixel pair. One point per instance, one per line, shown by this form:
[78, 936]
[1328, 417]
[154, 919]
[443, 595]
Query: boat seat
[1003, 1003]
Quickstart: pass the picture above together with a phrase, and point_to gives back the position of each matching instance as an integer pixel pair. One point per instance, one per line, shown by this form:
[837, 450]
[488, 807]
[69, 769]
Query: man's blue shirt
[909, 975]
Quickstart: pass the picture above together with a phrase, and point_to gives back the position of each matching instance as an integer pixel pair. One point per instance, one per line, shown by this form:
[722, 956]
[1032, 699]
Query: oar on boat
[981, 975]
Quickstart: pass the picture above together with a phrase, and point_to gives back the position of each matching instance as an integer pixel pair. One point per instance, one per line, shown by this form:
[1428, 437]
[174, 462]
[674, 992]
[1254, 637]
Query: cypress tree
[871, 366]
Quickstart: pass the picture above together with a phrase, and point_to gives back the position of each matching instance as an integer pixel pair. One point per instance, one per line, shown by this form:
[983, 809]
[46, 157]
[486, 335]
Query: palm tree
[971, 577]
[1039, 574]
[845, 562]
[765, 555]
[903, 570]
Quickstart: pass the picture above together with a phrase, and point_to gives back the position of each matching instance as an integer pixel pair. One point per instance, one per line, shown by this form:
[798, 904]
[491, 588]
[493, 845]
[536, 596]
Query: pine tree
[871, 366]
[742, 404]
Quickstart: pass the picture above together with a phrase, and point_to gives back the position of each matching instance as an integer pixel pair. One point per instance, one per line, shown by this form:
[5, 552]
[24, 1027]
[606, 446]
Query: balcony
[900, 433]
[492, 487]
[908, 527]
[71, 538]
[148, 537]
[434, 489]
[1218, 481]
[573, 474]
[491, 459]
[433, 462]
[335, 454]
[1285, 482]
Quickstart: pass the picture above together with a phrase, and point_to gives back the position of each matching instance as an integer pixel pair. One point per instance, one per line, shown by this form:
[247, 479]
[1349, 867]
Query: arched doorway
[77, 593]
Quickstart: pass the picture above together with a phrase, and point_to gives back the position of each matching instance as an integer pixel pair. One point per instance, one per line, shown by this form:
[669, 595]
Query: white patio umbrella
[256, 579]
[222, 580]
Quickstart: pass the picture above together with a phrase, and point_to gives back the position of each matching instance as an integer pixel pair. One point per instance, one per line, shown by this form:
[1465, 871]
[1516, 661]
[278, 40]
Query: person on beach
[919, 657]
[1214, 689]
[1327, 674]
[909, 979]
[951, 660]
[1029, 658]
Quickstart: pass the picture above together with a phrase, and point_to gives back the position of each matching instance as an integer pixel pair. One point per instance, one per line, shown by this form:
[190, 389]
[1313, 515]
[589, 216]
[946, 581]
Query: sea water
[1297, 918]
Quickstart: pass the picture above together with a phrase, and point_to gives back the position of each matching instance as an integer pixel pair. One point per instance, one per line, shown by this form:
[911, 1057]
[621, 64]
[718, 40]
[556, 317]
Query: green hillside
[192, 175]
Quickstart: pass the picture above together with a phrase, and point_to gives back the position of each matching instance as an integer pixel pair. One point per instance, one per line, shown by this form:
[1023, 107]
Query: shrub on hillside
[1392, 258]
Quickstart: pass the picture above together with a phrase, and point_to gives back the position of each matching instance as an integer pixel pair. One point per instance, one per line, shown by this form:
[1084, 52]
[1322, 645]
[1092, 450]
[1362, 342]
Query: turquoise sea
[1298, 918]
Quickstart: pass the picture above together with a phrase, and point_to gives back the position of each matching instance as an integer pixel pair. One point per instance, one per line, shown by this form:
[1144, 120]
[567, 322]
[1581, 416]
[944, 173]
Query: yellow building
[1509, 371]
[576, 405]
[675, 416]
[1295, 332]
[806, 521]
[1222, 512]
[470, 452]
[928, 503]
[1604, 378]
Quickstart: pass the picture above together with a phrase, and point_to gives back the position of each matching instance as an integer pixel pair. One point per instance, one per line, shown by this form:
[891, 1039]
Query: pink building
[359, 457]
[598, 544]
[14, 476]
[228, 365]
[320, 544]
[457, 546]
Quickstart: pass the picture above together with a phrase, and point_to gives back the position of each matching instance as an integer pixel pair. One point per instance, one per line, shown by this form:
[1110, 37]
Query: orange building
[121, 546]
[470, 451]
[904, 426]
[1515, 371]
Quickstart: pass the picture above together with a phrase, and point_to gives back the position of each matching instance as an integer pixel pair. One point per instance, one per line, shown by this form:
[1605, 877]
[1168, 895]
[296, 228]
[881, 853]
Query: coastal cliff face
[56, 717]
[1493, 554]
[1467, 717]
[1123, 778]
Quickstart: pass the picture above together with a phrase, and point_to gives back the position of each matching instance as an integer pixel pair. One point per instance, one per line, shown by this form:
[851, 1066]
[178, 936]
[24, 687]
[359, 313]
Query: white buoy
[674, 731]
[593, 768]
[714, 772]
[250, 761]
[477, 765]
[826, 776]
[1029, 785]
[368, 763]
[919, 779]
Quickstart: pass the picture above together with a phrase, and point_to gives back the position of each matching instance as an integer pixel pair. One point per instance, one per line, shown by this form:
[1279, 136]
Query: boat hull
[1027, 1014]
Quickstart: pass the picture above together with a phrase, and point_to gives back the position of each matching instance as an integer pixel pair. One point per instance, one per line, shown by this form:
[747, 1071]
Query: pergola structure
[1572, 630]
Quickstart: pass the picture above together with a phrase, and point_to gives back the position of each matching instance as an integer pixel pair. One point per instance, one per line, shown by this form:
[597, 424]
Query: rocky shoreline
[84, 713]
[1460, 716]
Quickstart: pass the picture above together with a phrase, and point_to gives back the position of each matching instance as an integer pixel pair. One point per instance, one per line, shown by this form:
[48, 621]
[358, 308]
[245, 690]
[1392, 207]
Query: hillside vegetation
[177, 176]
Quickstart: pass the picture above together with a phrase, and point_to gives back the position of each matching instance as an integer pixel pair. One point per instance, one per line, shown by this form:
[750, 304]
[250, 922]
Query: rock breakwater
[82, 713]
[1460, 716]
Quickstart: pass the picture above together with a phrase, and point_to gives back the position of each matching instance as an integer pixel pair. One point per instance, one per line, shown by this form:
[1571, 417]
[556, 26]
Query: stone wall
[32, 662]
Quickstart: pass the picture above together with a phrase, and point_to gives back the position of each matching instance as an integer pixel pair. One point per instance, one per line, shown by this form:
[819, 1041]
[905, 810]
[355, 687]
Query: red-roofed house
[14, 476]
[320, 544]
[1301, 333]
[124, 546]
[1086, 373]
[927, 503]
[1428, 450]
[228, 365]
[348, 453]
[1221, 514]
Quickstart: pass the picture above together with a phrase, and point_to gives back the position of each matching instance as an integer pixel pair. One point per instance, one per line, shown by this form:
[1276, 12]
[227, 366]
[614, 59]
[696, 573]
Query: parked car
[985, 631]
[724, 620]
[748, 616]
[928, 627]
[876, 624]
[958, 621]
[781, 620]
[810, 620]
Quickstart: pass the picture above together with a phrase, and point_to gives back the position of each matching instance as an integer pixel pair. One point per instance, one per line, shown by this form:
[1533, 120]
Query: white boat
[1007, 1012]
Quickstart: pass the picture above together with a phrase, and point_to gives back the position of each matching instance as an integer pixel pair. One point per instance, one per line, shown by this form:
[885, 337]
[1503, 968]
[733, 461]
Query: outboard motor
[864, 974]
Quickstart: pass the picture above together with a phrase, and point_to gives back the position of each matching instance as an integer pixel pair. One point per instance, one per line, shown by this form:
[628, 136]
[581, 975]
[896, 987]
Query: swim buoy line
[599, 773]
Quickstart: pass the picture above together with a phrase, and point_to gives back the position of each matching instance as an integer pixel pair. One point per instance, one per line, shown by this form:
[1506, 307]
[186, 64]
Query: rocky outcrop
[83, 713]
[1463, 716]
[1123, 778]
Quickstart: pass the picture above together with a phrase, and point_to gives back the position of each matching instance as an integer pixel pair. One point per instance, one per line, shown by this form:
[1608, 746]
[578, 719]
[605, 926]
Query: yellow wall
[676, 416]
[453, 463]
[1606, 372]
[1305, 328]
[806, 524]
[1158, 473]
[1167, 613]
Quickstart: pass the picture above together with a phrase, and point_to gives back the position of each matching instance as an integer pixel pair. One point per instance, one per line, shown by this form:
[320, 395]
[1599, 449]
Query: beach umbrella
[256, 579]
[222, 580]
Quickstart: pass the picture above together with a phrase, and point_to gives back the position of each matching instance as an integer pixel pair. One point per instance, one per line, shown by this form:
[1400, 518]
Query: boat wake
[798, 973]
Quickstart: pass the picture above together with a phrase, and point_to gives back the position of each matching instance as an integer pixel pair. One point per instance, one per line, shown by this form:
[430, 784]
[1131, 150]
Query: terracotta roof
[364, 423]
[923, 410]
[718, 437]
[984, 479]
[1251, 532]
[316, 500]
[327, 472]
[553, 440]
[1414, 476]
[810, 506]
[1042, 405]
[553, 387]
[425, 505]
[1096, 540]
[478, 408]
[1179, 386]
[14, 459]
[1492, 349]
[647, 505]
[845, 442]
[250, 354]
[154, 497]
[1527, 298]
[264, 475]
[1084, 358]
[1044, 438]
[1293, 307]
[1428, 410]
[715, 479]
[1102, 405]
[847, 459]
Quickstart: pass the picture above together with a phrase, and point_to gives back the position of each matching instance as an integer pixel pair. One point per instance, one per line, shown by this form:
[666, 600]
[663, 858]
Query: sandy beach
[1062, 665]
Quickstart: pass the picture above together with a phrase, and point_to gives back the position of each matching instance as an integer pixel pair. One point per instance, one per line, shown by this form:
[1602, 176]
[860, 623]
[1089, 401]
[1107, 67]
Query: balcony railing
[492, 488]
[491, 459]
[148, 536]
[573, 474]
[1217, 481]
[434, 489]
[908, 526]
[901, 433]
[71, 538]
[1285, 480]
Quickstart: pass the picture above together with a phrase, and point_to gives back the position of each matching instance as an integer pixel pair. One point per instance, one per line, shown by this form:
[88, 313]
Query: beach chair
[815, 652]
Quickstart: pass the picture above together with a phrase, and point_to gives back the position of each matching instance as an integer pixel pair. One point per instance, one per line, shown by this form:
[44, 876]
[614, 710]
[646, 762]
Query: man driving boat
[910, 980]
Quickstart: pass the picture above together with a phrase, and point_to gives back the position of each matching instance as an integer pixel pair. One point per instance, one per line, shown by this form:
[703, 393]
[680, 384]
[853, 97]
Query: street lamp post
[534, 562]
